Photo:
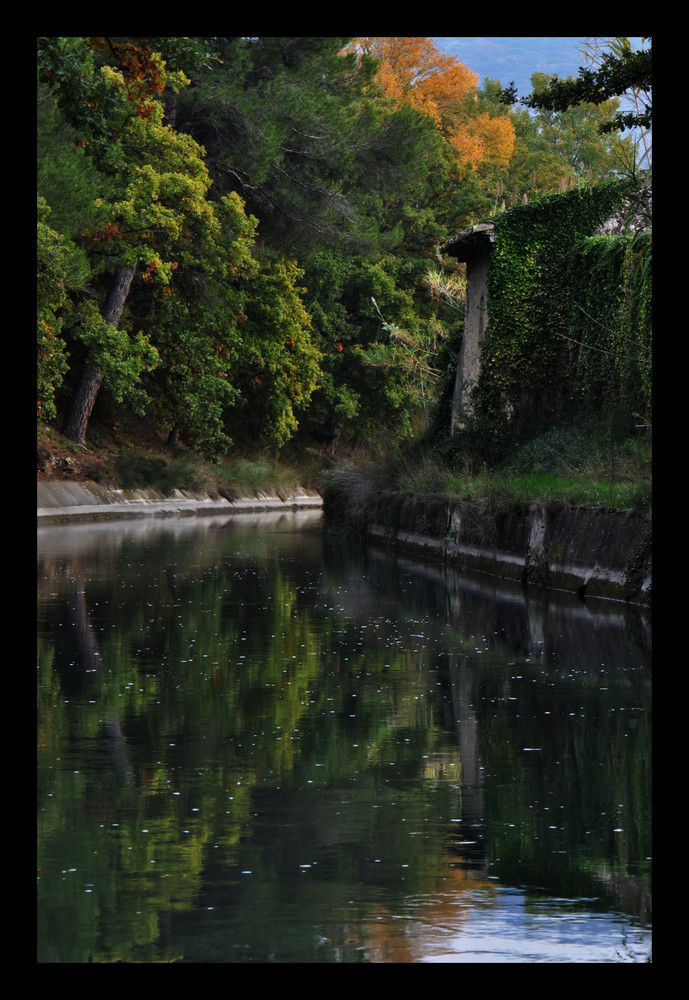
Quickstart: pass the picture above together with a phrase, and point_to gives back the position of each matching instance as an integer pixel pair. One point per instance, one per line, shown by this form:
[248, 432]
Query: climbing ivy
[610, 321]
[526, 365]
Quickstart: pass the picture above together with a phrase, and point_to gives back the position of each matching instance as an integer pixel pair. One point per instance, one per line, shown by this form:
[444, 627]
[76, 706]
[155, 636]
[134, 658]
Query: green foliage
[282, 216]
[525, 367]
[283, 126]
[558, 149]
[274, 361]
[380, 329]
[611, 321]
[66, 176]
[99, 99]
[121, 356]
[620, 70]
[57, 269]
[194, 322]
[190, 388]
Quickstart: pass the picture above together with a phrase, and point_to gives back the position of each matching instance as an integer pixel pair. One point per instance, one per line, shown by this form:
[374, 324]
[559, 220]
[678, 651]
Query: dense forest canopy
[238, 236]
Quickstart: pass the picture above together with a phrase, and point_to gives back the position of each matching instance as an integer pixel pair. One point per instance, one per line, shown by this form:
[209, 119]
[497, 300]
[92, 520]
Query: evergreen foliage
[277, 204]
[621, 69]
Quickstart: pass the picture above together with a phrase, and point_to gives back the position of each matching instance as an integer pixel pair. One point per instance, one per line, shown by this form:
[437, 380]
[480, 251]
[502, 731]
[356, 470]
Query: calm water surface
[259, 744]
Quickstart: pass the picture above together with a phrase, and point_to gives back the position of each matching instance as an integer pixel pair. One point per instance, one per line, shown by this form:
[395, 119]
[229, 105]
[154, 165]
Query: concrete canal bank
[64, 502]
[592, 551]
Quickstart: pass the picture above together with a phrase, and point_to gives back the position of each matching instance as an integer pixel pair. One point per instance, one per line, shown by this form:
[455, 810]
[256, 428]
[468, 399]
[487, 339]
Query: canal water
[259, 743]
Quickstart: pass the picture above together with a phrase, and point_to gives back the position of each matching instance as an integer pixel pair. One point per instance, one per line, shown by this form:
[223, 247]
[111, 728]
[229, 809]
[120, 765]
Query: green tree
[237, 357]
[620, 70]
[278, 129]
[60, 270]
[274, 365]
[558, 149]
[67, 178]
[358, 188]
[194, 323]
[159, 216]
[105, 107]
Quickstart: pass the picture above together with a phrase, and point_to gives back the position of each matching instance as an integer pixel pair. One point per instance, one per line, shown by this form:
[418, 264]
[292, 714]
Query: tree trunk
[117, 296]
[82, 403]
[86, 392]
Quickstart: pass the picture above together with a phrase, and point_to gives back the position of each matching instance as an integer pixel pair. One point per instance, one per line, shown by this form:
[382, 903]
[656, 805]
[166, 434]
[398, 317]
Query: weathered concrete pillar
[474, 248]
[475, 322]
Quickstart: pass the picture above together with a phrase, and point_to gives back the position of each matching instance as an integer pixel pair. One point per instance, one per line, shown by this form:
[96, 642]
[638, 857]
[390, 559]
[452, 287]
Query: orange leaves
[143, 71]
[151, 271]
[484, 138]
[160, 273]
[141, 68]
[413, 71]
[108, 232]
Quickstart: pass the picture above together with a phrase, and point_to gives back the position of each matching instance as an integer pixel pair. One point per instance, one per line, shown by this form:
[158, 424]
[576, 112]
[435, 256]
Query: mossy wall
[595, 552]
[611, 323]
[568, 313]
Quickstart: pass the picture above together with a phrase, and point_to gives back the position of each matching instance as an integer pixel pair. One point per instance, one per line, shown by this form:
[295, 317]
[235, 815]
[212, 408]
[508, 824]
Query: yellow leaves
[143, 75]
[159, 272]
[113, 77]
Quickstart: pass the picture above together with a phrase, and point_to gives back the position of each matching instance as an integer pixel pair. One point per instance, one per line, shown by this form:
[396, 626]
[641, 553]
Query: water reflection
[257, 744]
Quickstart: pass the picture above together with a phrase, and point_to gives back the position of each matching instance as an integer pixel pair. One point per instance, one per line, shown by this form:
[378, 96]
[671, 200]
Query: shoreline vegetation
[568, 511]
[583, 464]
[248, 303]
[143, 460]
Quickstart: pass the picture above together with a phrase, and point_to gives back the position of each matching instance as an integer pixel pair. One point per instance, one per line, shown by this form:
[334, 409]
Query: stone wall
[595, 552]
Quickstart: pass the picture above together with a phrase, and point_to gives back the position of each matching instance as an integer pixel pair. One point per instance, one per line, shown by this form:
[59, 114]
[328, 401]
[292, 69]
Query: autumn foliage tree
[244, 231]
[412, 70]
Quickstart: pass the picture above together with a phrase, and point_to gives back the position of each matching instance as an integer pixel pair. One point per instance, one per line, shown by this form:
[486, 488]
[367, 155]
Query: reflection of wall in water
[461, 674]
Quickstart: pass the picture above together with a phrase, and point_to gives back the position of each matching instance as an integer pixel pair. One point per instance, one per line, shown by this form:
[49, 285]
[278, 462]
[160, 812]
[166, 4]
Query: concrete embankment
[63, 502]
[596, 552]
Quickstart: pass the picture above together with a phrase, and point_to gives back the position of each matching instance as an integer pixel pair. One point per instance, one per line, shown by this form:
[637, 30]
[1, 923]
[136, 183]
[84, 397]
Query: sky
[510, 58]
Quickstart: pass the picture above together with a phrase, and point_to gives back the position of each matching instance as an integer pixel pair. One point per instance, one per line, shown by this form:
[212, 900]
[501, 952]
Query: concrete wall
[597, 552]
[60, 502]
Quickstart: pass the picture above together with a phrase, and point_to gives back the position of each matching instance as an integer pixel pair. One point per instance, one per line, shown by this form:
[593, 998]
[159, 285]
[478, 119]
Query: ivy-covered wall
[611, 322]
[547, 273]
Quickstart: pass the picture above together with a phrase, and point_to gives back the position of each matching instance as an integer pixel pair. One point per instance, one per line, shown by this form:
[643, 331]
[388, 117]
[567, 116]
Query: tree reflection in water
[257, 743]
